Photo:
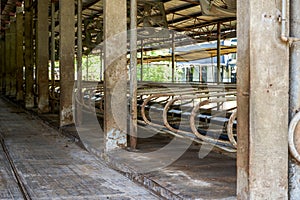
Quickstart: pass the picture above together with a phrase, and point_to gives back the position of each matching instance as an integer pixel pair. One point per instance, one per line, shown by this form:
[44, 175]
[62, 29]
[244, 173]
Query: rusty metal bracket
[292, 127]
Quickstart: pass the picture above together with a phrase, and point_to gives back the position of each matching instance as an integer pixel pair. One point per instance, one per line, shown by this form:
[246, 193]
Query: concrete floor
[176, 173]
[54, 167]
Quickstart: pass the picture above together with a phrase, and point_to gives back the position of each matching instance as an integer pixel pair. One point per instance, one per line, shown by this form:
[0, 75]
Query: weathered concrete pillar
[28, 29]
[20, 53]
[243, 89]
[262, 102]
[7, 61]
[294, 168]
[66, 59]
[115, 75]
[42, 56]
[13, 58]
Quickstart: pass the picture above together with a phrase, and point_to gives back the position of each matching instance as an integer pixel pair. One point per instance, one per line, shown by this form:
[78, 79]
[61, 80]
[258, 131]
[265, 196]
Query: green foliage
[156, 73]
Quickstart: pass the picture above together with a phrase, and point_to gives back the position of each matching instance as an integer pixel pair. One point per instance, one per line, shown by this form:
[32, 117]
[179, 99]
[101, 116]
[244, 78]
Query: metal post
[19, 52]
[115, 76]
[219, 53]
[52, 52]
[7, 61]
[42, 56]
[133, 74]
[29, 96]
[87, 67]
[142, 59]
[13, 58]
[66, 55]
[173, 56]
[79, 61]
[294, 102]
[101, 66]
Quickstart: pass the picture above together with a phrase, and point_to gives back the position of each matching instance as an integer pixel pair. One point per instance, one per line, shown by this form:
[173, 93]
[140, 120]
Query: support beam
[142, 59]
[52, 52]
[13, 58]
[294, 166]
[133, 74]
[29, 81]
[2, 62]
[79, 62]
[7, 61]
[173, 56]
[219, 53]
[42, 56]
[243, 92]
[115, 75]
[66, 59]
[261, 133]
[19, 51]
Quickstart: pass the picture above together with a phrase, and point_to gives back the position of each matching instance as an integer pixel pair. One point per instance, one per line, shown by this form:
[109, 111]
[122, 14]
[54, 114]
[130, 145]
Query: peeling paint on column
[116, 139]
[66, 116]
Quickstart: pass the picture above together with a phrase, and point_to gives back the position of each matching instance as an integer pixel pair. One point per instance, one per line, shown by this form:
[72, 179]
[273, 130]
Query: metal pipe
[193, 115]
[230, 129]
[101, 66]
[283, 20]
[133, 74]
[218, 52]
[87, 67]
[173, 57]
[292, 129]
[142, 58]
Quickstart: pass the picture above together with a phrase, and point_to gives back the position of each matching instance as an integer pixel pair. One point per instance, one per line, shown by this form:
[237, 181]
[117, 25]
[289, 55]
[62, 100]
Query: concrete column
[115, 75]
[7, 61]
[20, 56]
[42, 56]
[262, 157]
[66, 59]
[13, 58]
[294, 166]
[28, 29]
[52, 50]
[79, 62]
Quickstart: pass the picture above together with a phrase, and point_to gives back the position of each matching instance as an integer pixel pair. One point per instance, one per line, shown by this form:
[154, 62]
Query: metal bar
[101, 66]
[219, 53]
[294, 99]
[133, 74]
[87, 68]
[142, 59]
[173, 56]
